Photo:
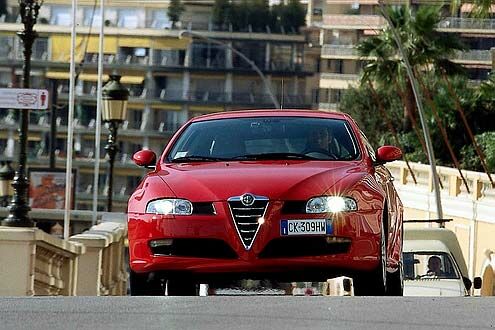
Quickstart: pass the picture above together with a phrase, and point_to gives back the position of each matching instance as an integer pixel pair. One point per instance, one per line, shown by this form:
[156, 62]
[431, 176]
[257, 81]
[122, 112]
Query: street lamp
[266, 82]
[19, 208]
[114, 96]
[6, 176]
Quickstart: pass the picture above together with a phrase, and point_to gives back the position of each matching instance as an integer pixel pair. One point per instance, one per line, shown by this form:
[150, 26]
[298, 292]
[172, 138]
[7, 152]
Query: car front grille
[246, 218]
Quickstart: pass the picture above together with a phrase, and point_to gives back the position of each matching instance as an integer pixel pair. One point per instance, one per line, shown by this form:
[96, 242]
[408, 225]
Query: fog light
[161, 242]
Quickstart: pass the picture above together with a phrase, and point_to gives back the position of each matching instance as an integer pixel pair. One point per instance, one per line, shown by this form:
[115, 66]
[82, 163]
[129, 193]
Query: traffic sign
[23, 98]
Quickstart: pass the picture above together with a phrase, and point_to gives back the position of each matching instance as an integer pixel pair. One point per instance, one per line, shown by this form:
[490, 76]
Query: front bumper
[353, 246]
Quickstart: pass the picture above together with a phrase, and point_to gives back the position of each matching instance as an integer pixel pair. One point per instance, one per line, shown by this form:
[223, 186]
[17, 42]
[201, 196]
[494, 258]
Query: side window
[369, 148]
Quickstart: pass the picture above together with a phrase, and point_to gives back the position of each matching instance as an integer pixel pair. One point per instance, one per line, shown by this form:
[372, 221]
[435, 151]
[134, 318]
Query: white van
[434, 264]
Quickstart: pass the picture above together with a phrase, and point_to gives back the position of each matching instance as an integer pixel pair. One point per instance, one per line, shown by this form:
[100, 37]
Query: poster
[47, 188]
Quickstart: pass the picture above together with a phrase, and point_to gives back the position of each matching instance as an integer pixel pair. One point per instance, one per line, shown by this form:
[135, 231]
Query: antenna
[282, 96]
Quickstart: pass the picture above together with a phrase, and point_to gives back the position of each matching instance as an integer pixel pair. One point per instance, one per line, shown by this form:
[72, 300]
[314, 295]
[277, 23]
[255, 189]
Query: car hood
[277, 180]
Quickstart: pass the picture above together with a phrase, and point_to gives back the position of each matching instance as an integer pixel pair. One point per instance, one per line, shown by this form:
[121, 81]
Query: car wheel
[145, 284]
[395, 282]
[181, 287]
[374, 283]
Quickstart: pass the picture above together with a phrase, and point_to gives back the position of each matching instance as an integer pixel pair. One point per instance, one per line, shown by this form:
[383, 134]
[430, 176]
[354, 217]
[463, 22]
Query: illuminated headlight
[170, 207]
[333, 204]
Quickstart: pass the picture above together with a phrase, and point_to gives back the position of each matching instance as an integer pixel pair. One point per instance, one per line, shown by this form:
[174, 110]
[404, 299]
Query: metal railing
[474, 55]
[366, 21]
[341, 76]
[467, 23]
[339, 50]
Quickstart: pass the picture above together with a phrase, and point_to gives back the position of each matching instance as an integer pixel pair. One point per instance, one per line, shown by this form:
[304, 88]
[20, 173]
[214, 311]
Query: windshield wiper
[193, 158]
[274, 155]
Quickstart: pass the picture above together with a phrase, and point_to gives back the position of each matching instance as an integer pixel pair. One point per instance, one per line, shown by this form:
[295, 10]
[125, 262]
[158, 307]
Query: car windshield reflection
[266, 138]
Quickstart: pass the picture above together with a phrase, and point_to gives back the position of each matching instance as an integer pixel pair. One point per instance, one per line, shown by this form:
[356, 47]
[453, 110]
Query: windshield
[428, 265]
[266, 138]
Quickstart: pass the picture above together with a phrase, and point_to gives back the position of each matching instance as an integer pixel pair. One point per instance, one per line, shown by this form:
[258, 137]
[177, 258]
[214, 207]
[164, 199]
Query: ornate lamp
[115, 97]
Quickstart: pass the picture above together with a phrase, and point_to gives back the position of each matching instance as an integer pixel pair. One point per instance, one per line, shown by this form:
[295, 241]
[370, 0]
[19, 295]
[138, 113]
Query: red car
[288, 195]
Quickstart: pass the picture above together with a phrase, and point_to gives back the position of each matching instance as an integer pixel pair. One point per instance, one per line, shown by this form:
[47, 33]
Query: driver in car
[321, 140]
[435, 267]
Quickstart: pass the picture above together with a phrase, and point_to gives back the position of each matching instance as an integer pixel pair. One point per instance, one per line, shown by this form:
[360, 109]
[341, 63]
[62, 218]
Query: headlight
[333, 204]
[170, 206]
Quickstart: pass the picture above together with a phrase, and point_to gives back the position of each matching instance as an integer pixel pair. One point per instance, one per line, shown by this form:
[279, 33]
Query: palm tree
[427, 49]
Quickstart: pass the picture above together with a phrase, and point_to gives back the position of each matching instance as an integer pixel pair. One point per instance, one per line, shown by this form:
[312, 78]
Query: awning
[60, 45]
[134, 42]
[468, 7]
[133, 80]
[171, 43]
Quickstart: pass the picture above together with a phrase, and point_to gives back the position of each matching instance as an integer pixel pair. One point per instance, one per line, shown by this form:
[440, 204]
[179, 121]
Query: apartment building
[344, 23]
[171, 78]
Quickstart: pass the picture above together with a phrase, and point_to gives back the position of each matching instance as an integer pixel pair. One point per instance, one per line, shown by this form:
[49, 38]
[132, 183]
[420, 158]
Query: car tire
[395, 282]
[374, 283]
[145, 284]
[181, 287]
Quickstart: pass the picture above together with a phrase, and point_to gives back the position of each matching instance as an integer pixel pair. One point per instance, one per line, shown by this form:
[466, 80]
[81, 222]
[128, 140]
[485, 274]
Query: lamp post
[266, 82]
[19, 208]
[6, 176]
[114, 96]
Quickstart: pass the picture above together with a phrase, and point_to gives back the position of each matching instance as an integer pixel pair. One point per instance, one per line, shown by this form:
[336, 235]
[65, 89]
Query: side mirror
[387, 154]
[477, 282]
[145, 158]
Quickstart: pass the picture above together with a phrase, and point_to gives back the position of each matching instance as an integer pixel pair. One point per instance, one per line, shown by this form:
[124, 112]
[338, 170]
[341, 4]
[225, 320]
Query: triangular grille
[246, 218]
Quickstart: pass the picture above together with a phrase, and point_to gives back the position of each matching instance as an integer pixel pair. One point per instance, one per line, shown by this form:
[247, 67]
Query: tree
[3, 8]
[175, 10]
[221, 11]
[480, 8]
[427, 49]
[292, 16]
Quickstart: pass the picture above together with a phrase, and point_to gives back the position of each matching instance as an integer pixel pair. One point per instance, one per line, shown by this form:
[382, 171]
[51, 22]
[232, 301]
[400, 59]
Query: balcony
[340, 76]
[362, 22]
[467, 24]
[339, 51]
[483, 57]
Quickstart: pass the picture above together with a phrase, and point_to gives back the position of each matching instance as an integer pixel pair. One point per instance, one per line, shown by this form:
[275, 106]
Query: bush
[471, 160]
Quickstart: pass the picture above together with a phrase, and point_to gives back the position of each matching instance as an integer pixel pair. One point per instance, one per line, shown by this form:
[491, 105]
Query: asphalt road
[246, 312]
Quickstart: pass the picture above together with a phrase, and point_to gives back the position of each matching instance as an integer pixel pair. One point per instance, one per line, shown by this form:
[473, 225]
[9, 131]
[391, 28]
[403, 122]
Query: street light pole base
[18, 217]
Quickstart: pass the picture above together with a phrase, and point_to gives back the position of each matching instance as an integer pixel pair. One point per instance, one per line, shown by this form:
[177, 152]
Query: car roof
[430, 239]
[271, 113]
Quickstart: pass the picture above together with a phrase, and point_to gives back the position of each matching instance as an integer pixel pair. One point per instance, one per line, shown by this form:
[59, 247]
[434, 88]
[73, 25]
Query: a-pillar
[229, 78]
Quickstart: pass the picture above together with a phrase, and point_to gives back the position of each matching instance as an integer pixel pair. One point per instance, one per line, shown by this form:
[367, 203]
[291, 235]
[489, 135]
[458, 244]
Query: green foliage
[359, 103]
[221, 13]
[175, 10]
[259, 15]
[3, 8]
[471, 160]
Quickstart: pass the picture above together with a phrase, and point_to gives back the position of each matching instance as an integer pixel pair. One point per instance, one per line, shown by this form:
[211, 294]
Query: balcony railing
[340, 76]
[354, 21]
[467, 23]
[474, 56]
[339, 50]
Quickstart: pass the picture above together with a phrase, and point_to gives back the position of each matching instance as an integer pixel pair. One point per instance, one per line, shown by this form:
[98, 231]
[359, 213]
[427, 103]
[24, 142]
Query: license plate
[306, 227]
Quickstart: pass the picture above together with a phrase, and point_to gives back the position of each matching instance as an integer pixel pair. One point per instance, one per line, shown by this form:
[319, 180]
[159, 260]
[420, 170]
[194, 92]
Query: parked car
[285, 195]
[434, 264]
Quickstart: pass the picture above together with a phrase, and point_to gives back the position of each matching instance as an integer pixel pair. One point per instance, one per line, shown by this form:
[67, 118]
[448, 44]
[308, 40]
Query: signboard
[23, 98]
[47, 188]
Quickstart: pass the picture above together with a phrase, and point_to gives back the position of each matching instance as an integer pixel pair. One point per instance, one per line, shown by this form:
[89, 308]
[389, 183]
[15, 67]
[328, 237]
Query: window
[427, 265]
[268, 137]
[92, 17]
[128, 18]
[160, 20]
[61, 16]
